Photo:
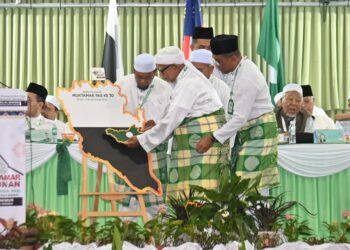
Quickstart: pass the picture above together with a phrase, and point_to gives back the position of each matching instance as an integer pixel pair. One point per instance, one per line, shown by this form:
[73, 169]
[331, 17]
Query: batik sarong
[188, 167]
[255, 151]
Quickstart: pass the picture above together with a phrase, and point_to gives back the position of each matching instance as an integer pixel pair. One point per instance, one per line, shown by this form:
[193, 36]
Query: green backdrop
[54, 46]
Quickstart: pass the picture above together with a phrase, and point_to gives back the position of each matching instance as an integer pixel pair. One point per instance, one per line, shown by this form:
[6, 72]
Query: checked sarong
[255, 151]
[188, 167]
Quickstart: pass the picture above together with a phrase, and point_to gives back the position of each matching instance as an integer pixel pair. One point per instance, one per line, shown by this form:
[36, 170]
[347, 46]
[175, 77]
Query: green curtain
[324, 196]
[55, 46]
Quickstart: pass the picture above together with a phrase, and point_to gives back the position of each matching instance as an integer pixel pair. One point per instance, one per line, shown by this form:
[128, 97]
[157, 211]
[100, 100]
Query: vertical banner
[193, 18]
[13, 105]
[112, 55]
[269, 47]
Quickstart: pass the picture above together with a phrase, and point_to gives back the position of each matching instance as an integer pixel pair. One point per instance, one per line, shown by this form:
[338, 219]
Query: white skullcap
[170, 55]
[201, 56]
[349, 96]
[292, 87]
[144, 63]
[278, 97]
[51, 99]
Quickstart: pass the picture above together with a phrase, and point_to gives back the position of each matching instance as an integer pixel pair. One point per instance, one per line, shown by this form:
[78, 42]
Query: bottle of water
[54, 133]
[292, 132]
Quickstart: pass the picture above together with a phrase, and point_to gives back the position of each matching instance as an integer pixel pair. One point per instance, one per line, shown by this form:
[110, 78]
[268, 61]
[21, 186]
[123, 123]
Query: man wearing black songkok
[252, 120]
[201, 38]
[36, 99]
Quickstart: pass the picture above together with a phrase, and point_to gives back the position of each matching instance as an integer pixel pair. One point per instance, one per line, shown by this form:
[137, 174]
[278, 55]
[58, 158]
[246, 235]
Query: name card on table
[329, 136]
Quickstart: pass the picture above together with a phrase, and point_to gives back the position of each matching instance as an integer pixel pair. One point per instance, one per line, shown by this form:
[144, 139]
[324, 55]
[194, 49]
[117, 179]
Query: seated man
[36, 101]
[50, 111]
[291, 109]
[321, 120]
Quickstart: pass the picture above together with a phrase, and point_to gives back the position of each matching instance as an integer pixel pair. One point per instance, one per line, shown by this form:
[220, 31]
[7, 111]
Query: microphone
[4, 85]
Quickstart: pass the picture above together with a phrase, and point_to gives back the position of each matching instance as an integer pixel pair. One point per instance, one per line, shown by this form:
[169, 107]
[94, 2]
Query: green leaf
[117, 243]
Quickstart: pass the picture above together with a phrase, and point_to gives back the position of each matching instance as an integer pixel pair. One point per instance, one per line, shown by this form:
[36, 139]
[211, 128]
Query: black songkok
[37, 89]
[224, 44]
[203, 33]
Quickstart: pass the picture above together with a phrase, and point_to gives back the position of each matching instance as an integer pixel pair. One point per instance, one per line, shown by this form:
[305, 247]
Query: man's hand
[204, 144]
[148, 125]
[132, 142]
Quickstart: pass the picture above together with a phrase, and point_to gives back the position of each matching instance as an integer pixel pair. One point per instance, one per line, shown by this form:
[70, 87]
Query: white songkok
[278, 97]
[51, 99]
[292, 87]
[349, 96]
[170, 55]
[144, 63]
[201, 56]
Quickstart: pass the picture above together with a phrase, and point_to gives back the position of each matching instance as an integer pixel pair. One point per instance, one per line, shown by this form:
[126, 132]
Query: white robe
[251, 98]
[321, 119]
[39, 122]
[222, 90]
[155, 104]
[193, 96]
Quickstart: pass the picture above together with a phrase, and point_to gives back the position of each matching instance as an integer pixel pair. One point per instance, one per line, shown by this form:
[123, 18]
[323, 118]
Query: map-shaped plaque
[96, 113]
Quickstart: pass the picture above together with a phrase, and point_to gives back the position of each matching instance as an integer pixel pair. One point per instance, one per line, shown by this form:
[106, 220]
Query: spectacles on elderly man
[161, 70]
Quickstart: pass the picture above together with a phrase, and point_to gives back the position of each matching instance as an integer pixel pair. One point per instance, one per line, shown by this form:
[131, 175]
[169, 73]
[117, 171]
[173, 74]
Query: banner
[270, 49]
[193, 18]
[112, 57]
[13, 104]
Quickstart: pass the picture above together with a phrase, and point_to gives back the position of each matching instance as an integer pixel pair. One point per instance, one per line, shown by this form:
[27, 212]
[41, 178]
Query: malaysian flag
[112, 57]
[193, 18]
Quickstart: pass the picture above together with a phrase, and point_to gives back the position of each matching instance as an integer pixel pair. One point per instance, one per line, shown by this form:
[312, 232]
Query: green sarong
[159, 162]
[255, 151]
[188, 167]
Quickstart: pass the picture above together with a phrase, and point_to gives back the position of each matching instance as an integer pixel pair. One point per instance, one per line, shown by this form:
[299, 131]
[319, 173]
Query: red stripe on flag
[186, 46]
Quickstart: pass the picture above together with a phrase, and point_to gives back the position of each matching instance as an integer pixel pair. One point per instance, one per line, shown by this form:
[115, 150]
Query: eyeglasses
[165, 68]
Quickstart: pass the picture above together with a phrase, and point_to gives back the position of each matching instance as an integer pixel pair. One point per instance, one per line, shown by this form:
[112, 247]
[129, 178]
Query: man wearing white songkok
[147, 91]
[50, 111]
[252, 120]
[291, 109]
[195, 110]
[202, 59]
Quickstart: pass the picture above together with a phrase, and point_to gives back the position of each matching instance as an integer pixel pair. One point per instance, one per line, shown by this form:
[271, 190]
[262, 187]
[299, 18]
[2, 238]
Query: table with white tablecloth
[317, 175]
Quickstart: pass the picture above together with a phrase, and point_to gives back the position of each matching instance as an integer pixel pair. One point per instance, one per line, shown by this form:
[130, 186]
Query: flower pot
[271, 238]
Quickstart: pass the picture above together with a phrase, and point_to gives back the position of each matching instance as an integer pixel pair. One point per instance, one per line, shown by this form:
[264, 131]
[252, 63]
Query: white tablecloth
[309, 160]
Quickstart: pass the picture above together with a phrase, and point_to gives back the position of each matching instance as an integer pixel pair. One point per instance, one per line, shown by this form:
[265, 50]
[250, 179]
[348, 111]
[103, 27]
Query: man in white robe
[36, 100]
[145, 90]
[195, 110]
[202, 59]
[251, 113]
[50, 111]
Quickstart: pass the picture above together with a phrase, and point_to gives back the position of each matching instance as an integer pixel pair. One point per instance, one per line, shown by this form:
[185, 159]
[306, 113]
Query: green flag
[269, 47]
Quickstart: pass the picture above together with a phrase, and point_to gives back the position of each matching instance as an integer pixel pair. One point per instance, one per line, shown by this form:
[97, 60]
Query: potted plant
[269, 214]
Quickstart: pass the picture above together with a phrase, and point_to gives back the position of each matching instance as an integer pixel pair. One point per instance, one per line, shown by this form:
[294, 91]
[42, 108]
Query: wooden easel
[111, 196]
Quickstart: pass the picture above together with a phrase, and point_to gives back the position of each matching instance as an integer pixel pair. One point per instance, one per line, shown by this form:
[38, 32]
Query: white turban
[201, 56]
[170, 55]
[278, 97]
[51, 99]
[292, 87]
[144, 63]
[349, 96]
